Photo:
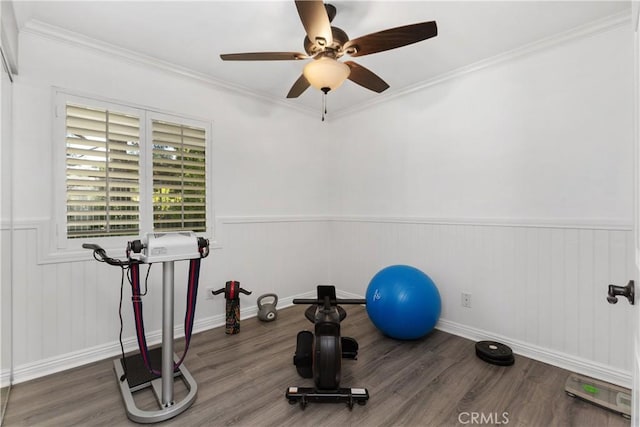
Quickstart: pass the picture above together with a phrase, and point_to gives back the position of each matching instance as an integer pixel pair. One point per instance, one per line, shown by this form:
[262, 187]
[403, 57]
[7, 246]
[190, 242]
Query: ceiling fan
[326, 44]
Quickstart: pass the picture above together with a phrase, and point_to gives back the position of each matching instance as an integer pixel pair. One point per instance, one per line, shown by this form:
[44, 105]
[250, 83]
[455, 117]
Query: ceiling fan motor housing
[339, 39]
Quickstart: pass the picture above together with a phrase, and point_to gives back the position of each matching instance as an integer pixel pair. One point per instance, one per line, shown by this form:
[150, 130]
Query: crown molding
[9, 38]
[596, 27]
[55, 33]
[58, 34]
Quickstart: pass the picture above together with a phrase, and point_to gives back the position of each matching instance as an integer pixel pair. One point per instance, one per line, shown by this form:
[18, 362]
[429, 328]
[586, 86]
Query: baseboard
[561, 360]
[71, 360]
[347, 295]
[5, 378]
[41, 368]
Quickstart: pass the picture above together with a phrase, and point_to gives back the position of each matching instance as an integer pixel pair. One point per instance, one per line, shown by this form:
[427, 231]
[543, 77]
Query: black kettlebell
[267, 310]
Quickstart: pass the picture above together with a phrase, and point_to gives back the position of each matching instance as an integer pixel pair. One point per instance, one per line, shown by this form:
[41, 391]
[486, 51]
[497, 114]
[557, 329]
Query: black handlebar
[232, 290]
[92, 246]
[241, 290]
[101, 255]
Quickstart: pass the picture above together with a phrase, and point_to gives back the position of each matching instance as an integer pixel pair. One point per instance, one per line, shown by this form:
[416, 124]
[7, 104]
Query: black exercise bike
[320, 356]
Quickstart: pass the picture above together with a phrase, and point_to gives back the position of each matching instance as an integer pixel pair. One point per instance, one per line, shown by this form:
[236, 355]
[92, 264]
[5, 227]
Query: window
[130, 170]
[103, 180]
[179, 190]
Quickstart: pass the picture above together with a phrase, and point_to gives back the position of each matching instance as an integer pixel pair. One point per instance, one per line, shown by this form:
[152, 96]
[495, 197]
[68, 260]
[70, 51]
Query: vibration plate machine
[158, 368]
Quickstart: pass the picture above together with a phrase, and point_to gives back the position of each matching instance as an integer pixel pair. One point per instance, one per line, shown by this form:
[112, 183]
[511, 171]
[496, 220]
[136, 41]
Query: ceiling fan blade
[315, 21]
[366, 78]
[391, 38]
[263, 56]
[298, 87]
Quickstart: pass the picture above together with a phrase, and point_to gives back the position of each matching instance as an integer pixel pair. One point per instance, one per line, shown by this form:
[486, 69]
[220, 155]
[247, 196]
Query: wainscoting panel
[539, 288]
[66, 313]
[543, 285]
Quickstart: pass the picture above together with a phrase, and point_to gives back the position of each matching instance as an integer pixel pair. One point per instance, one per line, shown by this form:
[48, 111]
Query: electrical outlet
[466, 299]
[210, 293]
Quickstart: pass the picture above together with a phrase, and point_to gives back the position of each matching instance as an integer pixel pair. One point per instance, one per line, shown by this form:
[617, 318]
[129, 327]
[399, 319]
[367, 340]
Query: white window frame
[146, 115]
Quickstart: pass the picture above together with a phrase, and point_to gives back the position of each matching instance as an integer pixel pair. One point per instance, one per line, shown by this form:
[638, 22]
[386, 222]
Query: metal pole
[167, 333]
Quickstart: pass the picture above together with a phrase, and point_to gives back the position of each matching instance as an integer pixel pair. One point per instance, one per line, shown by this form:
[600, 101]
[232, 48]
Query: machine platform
[304, 395]
[138, 378]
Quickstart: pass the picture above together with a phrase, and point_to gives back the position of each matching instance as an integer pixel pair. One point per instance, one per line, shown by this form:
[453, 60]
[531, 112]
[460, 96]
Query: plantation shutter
[102, 172]
[179, 184]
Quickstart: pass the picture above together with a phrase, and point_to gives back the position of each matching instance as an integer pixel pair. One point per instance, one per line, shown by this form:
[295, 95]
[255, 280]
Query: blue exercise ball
[403, 302]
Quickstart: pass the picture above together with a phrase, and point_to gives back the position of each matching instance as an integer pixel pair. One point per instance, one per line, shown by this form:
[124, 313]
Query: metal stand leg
[167, 334]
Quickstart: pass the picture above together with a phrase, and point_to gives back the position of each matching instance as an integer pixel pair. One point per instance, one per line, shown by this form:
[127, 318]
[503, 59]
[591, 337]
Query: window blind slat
[78, 111]
[112, 203]
[76, 183]
[83, 164]
[76, 173]
[101, 223]
[100, 125]
[192, 154]
[76, 194]
[177, 187]
[178, 129]
[177, 167]
[177, 142]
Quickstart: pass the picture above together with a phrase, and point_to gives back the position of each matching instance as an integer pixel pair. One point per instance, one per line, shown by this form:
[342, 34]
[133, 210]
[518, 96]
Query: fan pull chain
[324, 105]
[324, 90]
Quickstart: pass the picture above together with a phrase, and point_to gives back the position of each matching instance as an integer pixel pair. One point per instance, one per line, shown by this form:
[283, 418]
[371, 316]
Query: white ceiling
[194, 34]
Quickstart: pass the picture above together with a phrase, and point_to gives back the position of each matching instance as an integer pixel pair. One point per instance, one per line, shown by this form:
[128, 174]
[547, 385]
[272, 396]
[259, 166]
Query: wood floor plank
[242, 380]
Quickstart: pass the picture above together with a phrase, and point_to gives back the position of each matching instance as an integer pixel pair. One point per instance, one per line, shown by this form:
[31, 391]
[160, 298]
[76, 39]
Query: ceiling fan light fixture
[326, 73]
[328, 44]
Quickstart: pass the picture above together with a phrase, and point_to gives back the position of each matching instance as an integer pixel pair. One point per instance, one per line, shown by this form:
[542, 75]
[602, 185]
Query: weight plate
[495, 353]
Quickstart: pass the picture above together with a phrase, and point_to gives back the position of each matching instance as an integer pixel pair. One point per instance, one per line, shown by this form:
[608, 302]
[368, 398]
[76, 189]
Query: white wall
[514, 183]
[545, 136]
[265, 166]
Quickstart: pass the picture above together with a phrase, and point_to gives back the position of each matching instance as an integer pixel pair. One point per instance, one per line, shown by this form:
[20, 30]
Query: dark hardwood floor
[434, 381]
